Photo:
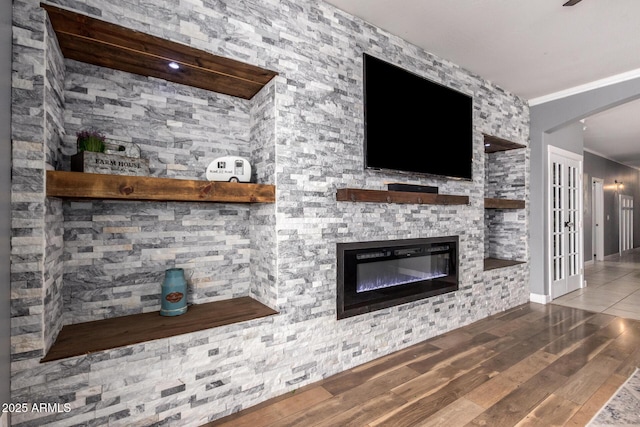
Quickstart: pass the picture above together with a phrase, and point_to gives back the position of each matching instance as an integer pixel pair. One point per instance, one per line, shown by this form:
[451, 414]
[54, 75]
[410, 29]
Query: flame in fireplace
[394, 279]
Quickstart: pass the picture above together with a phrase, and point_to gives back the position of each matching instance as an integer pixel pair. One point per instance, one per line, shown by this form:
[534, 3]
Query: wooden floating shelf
[493, 203]
[102, 186]
[96, 42]
[100, 335]
[499, 144]
[493, 263]
[384, 196]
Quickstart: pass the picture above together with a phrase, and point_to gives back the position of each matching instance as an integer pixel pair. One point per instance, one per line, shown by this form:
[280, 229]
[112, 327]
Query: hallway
[613, 287]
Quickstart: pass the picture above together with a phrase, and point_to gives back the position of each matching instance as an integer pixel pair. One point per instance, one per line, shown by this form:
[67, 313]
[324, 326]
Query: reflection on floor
[613, 287]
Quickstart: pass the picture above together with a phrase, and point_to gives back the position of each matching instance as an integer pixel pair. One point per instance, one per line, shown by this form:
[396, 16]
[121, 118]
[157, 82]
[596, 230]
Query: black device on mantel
[413, 188]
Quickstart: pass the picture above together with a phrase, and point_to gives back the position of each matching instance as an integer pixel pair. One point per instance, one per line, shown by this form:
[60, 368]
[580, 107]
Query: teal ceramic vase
[174, 293]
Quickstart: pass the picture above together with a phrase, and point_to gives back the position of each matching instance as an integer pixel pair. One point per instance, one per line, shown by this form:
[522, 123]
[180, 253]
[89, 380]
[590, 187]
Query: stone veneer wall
[54, 245]
[506, 231]
[262, 216]
[116, 252]
[178, 128]
[313, 116]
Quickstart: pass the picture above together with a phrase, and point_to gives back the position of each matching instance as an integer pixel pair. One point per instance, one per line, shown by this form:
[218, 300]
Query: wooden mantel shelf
[493, 144]
[493, 203]
[100, 335]
[384, 196]
[493, 263]
[97, 42]
[102, 186]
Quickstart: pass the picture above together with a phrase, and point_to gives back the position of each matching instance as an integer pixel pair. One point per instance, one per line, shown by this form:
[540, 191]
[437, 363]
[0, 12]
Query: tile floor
[613, 287]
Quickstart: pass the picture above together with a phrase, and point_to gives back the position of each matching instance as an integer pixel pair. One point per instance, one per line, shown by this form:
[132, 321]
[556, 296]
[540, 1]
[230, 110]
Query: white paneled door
[597, 231]
[565, 222]
[625, 206]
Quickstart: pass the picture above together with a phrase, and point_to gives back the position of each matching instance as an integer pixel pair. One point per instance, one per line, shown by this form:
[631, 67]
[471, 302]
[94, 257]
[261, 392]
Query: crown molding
[618, 78]
[594, 152]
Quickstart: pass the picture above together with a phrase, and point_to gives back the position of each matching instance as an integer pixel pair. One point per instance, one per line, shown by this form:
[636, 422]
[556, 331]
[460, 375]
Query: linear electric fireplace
[377, 275]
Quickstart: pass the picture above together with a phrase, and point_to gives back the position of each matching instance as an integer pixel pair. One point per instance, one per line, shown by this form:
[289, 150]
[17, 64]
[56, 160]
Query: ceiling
[536, 49]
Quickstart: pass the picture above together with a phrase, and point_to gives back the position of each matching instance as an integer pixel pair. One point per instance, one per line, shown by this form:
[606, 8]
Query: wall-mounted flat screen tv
[413, 124]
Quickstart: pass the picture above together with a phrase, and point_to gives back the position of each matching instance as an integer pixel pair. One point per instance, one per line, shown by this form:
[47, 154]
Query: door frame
[553, 150]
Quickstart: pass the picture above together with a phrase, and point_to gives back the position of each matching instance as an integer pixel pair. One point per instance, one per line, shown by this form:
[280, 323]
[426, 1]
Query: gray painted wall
[5, 194]
[568, 138]
[545, 119]
[610, 171]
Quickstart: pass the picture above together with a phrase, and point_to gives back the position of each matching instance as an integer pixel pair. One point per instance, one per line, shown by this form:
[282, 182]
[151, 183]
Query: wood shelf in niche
[494, 263]
[496, 144]
[496, 203]
[97, 42]
[100, 335]
[384, 196]
[101, 186]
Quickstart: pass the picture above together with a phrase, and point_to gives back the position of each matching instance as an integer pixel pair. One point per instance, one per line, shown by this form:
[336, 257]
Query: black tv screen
[413, 124]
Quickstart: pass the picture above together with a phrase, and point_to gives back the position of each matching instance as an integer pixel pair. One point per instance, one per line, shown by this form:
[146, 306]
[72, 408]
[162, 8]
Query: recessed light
[174, 65]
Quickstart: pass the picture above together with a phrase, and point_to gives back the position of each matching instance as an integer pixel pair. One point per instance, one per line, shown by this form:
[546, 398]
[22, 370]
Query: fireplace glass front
[376, 275]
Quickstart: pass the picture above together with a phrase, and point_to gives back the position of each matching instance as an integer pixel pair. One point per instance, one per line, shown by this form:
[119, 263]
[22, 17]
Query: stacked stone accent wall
[506, 230]
[179, 129]
[304, 132]
[54, 245]
[27, 186]
[116, 253]
[264, 254]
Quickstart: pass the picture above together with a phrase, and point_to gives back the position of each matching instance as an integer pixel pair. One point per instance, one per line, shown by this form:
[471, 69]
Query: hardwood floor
[538, 365]
[534, 365]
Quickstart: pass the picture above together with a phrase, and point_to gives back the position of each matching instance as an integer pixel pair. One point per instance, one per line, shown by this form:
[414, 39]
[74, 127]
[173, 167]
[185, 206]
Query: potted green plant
[90, 140]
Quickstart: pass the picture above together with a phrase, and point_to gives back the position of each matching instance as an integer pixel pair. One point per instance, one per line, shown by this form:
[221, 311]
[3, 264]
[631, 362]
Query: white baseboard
[540, 299]
[590, 262]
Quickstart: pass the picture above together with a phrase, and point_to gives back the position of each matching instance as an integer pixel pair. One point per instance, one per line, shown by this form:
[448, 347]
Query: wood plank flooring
[533, 365]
